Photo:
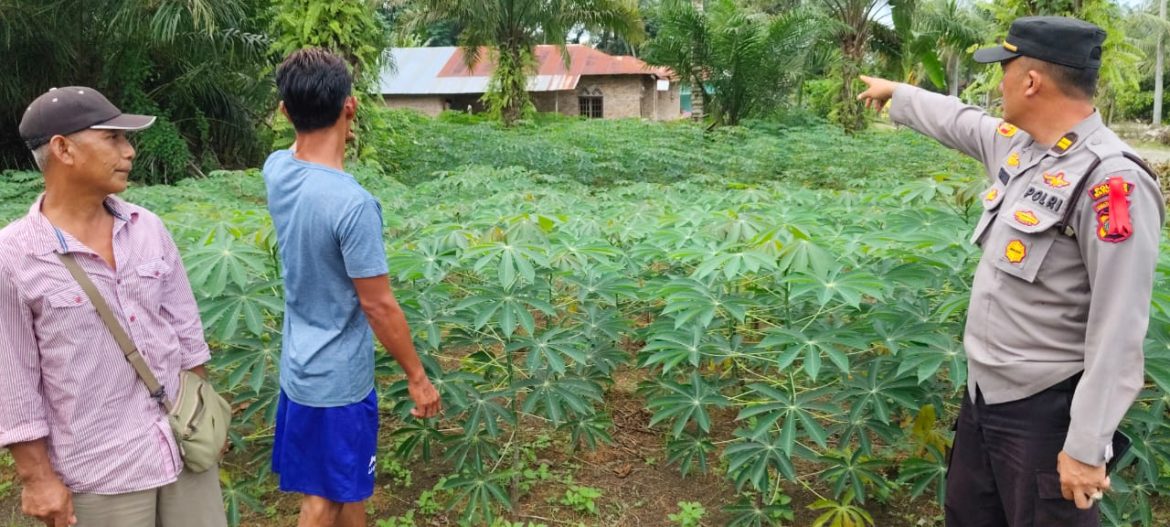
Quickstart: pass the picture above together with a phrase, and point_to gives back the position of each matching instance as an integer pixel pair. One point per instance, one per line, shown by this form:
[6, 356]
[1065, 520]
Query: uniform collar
[48, 238]
[1078, 136]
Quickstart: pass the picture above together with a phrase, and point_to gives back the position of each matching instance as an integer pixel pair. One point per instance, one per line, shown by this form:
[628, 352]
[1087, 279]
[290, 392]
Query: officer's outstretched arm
[1119, 224]
[968, 129]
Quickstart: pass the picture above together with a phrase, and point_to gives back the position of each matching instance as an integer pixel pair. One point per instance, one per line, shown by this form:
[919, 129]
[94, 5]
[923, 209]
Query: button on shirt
[64, 378]
[1046, 305]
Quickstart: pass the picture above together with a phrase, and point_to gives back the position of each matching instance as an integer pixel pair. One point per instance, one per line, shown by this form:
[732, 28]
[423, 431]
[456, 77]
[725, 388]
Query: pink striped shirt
[62, 375]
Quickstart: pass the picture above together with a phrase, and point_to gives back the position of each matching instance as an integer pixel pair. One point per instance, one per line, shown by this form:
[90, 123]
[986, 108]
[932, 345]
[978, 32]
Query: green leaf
[756, 459]
[812, 344]
[779, 404]
[684, 403]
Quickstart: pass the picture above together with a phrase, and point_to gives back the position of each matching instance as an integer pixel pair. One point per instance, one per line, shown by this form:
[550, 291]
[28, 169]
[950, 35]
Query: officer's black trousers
[1002, 469]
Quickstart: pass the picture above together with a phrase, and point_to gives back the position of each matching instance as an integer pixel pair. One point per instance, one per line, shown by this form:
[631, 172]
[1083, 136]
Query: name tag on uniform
[1043, 198]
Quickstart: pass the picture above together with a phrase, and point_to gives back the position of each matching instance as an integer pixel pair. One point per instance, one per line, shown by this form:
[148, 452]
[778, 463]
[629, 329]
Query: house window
[590, 103]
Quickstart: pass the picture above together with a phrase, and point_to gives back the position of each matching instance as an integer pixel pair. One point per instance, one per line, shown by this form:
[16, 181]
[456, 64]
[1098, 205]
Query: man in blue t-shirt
[329, 231]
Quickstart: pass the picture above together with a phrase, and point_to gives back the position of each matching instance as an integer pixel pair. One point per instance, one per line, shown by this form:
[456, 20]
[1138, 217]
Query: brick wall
[623, 97]
[670, 102]
[661, 105]
[626, 96]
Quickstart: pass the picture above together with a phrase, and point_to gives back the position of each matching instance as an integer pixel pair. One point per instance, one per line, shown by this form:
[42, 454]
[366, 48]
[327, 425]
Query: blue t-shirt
[329, 231]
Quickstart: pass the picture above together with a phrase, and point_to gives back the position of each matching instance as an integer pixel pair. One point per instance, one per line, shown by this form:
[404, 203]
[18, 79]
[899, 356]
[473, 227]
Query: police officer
[1060, 302]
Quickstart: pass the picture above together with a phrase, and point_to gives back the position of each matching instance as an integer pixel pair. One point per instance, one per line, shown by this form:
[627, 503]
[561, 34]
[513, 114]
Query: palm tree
[930, 38]
[682, 44]
[198, 64]
[1150, 27]
[1119, 72]
[957, 27]
[747, 58]
[854, 28]
[1160, 68]
[511, 29]
[698, 89]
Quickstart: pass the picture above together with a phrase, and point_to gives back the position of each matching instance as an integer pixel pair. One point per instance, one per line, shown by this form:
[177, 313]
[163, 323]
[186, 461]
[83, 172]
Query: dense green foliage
[811, 283]
[197, 64]
[749, 62]
[204, 67]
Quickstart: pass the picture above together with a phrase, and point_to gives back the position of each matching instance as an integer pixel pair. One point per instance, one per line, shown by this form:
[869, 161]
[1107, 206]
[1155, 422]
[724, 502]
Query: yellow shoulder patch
[1007, 130]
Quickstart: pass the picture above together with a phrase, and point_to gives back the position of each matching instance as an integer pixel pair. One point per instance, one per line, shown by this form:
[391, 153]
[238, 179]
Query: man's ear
[1035, 81]
[284, 111]
[62, 150]
[350, 109]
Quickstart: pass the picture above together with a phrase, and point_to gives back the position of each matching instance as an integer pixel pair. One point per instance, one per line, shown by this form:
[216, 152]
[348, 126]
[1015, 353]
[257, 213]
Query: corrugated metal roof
[442, 71]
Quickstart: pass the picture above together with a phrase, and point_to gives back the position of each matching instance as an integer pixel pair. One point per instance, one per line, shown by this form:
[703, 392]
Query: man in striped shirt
[92, 447]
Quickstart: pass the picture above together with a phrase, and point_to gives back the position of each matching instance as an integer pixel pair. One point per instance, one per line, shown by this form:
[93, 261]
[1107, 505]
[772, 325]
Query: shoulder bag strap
[129, 350]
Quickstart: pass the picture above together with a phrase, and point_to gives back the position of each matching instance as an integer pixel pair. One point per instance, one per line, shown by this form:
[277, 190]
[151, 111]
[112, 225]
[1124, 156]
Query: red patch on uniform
[1102, 190]
[1113, 224]
[1104, 225]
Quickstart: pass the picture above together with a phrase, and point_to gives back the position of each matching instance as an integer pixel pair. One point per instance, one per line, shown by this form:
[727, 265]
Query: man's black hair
[313, 84]
[1079, 83]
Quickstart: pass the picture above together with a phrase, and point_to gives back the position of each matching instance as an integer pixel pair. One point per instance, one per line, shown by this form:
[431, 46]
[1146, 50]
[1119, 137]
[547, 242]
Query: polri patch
[1007, 130]
[1044, 198]
[1015, 252]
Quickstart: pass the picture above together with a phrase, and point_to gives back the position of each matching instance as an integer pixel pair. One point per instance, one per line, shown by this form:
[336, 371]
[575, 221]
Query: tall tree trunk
[956, 73]
[850, 112]
[1159, 69]
[510, 83]
[698, 94]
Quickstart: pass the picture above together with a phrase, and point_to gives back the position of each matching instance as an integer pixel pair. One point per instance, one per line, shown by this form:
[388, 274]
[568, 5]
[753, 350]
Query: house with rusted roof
[593, 84]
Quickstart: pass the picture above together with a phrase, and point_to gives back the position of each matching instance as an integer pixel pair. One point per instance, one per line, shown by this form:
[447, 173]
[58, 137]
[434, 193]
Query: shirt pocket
[150, 278]
[68, 299]
[1025, 240]
[154, 269]
[66, 315]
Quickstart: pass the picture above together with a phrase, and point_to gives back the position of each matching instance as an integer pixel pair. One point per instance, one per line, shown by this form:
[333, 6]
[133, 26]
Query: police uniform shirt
[1048, 302]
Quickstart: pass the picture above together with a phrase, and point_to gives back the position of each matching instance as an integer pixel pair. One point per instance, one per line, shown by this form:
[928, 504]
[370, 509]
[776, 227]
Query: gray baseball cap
[63, 111]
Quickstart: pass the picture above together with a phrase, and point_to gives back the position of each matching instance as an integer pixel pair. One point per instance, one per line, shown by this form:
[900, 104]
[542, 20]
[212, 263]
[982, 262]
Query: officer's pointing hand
[878, 92]
[1079, 482]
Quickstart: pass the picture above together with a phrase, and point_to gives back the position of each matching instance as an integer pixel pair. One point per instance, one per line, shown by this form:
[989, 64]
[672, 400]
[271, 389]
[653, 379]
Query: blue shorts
[327, 452]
